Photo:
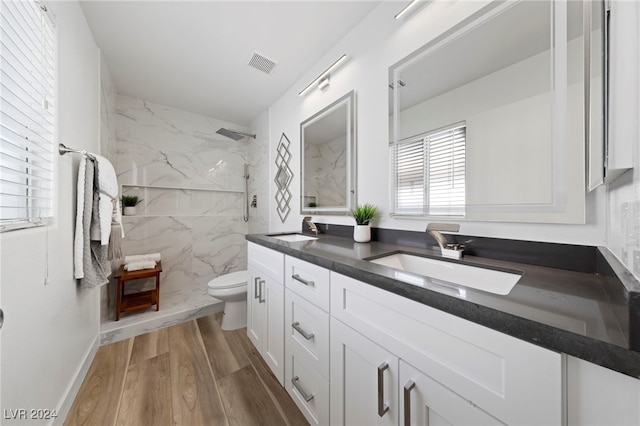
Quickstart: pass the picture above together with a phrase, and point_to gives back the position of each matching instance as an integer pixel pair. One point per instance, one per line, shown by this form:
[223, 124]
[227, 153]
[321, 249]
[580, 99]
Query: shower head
[234, 134]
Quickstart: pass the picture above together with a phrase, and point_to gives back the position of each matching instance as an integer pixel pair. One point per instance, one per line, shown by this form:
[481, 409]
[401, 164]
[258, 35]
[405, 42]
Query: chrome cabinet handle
[255, 288]
[382, 407]
[294, 382]
[407, 402]
[261, 299]
[296, 327]
[302, 280]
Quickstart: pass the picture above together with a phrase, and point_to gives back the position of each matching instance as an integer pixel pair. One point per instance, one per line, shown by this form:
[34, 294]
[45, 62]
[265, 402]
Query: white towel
[142, 257]
[78, 242]
[108, 206]
[136, 266]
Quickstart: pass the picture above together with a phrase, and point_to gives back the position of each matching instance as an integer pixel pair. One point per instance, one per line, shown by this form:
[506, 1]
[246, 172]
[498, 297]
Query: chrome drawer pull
[295, 384]
[296, 327]
[407, 402]
[261, 299]
[255, 288]
[302, 280]
[382, 407]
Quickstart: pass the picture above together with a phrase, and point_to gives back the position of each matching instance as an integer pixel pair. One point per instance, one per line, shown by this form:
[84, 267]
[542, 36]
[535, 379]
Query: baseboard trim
[74, 387]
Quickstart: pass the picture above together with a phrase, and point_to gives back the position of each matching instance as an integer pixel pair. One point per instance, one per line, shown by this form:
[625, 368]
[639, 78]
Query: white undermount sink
[293, 238]
[489, 280]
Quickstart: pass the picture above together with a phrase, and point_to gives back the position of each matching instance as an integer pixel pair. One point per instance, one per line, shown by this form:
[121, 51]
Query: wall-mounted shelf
[181, 188]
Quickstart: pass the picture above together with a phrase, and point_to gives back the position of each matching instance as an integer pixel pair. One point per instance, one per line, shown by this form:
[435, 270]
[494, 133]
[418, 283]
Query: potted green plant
[129, 203]
[363, 214]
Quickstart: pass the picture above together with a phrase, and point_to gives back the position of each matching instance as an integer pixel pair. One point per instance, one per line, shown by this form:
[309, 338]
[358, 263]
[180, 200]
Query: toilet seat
[231, 280]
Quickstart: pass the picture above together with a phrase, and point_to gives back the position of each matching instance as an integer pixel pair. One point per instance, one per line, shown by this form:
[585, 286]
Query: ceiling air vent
[262, 63]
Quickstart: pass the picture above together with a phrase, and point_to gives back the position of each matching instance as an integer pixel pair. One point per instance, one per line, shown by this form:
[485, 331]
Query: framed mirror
[487, 121]
[328, 159]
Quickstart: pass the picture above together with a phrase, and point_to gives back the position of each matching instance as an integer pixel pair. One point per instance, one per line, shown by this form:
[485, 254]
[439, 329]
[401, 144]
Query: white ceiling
[193, 55]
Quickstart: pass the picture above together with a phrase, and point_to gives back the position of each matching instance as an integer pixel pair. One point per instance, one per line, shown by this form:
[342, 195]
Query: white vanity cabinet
[349, 353]
[265, 306]
[307, 338]
[503, 379]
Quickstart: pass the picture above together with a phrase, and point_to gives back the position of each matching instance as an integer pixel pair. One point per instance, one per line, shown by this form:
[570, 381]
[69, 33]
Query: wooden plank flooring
[188, 374]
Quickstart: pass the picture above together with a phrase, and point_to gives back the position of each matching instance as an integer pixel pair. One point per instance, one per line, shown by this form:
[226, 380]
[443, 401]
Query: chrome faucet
[312, 226]
[453, 251]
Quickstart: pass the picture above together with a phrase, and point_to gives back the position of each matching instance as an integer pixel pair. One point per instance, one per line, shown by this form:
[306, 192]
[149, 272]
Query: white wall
[373, 46]
[49, 331]
[259, 174]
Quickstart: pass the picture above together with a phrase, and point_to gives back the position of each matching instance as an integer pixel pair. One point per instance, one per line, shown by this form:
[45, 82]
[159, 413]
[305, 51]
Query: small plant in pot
[129, 203]
[364, 214]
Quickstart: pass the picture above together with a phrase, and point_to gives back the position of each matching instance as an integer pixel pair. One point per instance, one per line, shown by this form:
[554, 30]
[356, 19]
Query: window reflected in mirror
[514, 74]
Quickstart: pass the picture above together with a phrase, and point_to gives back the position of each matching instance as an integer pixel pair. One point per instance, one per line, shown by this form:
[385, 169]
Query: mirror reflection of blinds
[27, 114]
[429, 173]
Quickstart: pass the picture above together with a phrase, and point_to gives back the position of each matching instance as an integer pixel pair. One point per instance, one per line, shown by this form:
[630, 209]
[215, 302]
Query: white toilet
[232, 290]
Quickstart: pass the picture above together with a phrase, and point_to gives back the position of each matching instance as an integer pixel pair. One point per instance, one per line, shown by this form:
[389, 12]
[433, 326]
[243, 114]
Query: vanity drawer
[307, 332]
[514, 381]
[308, 280]
[308, 389]
[269, 261]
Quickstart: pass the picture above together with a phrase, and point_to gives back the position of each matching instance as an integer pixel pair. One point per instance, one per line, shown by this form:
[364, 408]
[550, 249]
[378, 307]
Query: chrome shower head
[234, 134]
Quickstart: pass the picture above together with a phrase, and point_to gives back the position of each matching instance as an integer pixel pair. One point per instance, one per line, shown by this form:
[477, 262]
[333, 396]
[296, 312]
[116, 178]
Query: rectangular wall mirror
[488, 121]
[328, 160]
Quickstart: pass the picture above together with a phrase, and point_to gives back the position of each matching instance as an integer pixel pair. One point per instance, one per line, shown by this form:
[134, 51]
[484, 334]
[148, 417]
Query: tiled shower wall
[190, 181]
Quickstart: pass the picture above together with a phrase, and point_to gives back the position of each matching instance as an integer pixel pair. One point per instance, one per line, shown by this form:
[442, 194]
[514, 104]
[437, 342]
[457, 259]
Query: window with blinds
[27, 66]
[428, 173]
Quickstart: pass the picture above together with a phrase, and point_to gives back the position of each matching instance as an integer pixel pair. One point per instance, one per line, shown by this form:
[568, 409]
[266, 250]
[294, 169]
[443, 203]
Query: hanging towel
[95, 265]
[142, 257]
[107, 186]
[78, 243]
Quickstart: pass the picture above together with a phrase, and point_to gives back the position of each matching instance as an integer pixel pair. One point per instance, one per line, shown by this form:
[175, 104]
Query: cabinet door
[425, 402]
[254, 308]
[308, 389]
[307, 332]
[273, 323]
[364, 380]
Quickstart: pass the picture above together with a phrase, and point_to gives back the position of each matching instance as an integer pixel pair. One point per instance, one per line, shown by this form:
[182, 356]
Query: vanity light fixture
[324, 83]
[406, 9]
[323, 79]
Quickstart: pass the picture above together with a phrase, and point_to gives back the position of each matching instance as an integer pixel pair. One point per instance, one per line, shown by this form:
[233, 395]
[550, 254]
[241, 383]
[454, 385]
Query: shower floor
[175, 307]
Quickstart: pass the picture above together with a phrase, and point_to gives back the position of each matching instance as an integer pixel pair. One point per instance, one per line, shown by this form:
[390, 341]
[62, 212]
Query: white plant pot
[362, 233]
[129, 211]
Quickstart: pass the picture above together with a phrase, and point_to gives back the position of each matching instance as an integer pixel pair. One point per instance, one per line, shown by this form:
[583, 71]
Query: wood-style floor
[188, 374]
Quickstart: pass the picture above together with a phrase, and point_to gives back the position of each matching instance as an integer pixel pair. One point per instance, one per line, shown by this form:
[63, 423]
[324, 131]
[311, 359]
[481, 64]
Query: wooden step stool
[141, 300]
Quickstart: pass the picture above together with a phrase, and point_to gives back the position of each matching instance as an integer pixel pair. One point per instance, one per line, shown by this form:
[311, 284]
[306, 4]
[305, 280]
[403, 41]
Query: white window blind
[27, 66]
[428, 173]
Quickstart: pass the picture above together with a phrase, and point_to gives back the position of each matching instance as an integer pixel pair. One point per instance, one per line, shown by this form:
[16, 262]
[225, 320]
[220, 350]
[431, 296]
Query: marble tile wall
[326, 172]
[190, 181]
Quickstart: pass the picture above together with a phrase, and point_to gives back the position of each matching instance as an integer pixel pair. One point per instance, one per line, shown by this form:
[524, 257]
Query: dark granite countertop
[561, 310]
